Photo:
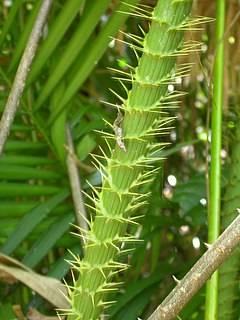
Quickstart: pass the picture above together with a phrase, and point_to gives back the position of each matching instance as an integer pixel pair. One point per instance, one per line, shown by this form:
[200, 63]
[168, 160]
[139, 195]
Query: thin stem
[22, 72]
[200, 272]
[215, 170]
[80, 211]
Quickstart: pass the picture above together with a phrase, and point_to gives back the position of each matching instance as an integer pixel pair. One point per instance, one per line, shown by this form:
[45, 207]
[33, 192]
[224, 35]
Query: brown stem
[22, 72]
[80, 212]
[199, 274]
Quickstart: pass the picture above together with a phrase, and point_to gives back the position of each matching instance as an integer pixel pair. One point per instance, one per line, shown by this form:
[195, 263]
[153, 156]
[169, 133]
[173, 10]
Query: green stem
[126, 167]
[215, 171]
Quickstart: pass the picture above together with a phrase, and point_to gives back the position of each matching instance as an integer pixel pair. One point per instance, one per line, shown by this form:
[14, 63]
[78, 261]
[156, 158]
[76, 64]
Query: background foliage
[67, 82]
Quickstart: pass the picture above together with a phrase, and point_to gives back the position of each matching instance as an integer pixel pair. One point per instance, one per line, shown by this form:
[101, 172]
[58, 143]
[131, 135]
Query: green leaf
[19, 48]
[134, 290]
[132, 310]
[172, 150]
[47, 240]
[58, 128]
[17, 172]
[30, 221]
[6, 312]
[85, 146]
[14, 145]
[188, 194]
[92, 55]
[88, 22]
[22, 189]
[57, 30]
[9, 208]
[11, 16]
[62, 266]
[25, 160]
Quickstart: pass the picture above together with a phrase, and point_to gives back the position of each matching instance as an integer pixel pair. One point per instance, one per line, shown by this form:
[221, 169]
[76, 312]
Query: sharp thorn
[207, 245]
[175, 279]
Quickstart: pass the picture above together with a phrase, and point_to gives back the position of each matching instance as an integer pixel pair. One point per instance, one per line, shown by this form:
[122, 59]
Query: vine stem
[200, 273]
[22, 72]
[216, 144]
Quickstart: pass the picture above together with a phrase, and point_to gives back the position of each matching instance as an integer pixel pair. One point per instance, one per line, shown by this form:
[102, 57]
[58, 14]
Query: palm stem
[128, 165]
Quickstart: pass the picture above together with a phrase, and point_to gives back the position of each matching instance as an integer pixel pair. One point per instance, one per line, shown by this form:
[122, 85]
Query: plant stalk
[215, 169]
[75, 182]
[128, 167]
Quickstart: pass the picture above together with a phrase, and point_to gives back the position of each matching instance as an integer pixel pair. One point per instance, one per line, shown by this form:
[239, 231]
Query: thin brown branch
[22, 72]
[80, 211]
[80, 164]
[199, 274]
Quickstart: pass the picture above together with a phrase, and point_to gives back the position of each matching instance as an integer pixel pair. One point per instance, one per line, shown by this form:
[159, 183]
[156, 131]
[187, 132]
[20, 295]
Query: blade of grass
[216, 144]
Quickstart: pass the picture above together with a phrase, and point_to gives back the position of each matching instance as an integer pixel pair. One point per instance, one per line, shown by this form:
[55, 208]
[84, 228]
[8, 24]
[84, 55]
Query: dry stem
[22, 72]
[80, 211]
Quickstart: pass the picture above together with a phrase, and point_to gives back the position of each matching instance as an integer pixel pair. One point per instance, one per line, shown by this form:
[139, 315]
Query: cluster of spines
[130, 164]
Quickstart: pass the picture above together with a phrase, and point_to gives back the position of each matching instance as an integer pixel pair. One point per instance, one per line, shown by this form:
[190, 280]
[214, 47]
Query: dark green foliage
[229, 272]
